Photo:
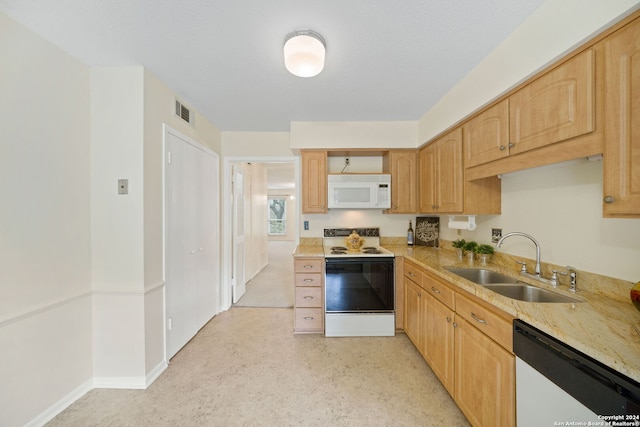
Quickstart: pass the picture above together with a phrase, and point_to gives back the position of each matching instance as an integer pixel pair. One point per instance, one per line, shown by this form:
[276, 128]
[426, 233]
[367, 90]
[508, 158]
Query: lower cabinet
[309, 292]
[466, 342]
[484, 377]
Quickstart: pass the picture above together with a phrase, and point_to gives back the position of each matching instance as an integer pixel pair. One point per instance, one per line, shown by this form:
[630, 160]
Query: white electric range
[359, 284]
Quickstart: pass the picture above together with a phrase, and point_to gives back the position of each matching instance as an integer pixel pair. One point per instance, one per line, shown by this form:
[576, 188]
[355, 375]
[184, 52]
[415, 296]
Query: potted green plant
[459, 247]
[484, 252]
[470, 247]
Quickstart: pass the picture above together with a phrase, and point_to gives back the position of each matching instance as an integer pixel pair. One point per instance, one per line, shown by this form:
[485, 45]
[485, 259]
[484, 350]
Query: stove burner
[368, 248]
[338, 252]
[338, 248]
[371, 251]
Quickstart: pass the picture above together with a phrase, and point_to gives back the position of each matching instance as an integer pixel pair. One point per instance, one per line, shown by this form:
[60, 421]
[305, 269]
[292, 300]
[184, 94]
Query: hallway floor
[246, 368]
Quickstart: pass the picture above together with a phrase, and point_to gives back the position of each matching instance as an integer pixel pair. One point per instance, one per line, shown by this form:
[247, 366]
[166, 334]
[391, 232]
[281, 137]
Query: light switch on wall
[123, 186]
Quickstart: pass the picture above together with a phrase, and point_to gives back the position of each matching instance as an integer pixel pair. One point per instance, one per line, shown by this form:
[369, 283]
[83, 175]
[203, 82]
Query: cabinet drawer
[439, 290]
[495, 326]
[308, 279]
[308, 265]
[309, 319]
[308, 297]
[413, 273]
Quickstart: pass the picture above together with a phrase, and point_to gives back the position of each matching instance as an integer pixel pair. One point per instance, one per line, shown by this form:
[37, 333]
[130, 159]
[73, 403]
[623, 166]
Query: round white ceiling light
[304, 52]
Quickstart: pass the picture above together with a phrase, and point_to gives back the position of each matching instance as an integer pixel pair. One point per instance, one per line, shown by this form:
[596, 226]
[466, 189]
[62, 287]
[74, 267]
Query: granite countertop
[603, 327]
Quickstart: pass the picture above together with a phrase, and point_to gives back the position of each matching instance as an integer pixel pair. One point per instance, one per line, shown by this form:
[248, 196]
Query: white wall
[129, 106]
[45, 279]
[399, 134]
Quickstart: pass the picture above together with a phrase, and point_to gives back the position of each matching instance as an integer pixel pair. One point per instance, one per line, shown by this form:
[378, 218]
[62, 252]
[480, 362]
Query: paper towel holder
[468, 224]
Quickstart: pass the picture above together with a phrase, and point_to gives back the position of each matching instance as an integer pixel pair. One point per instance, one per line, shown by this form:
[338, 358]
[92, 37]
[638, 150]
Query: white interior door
[192, 263]
[238, 279]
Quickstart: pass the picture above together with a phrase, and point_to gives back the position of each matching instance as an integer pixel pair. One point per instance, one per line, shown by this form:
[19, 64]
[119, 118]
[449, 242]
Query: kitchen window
[277, 216]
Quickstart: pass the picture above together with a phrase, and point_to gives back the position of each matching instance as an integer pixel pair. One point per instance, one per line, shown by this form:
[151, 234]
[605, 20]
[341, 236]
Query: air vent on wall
[184, 113]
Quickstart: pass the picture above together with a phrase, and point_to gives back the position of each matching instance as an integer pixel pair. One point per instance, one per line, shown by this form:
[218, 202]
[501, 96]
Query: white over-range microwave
[359, 191]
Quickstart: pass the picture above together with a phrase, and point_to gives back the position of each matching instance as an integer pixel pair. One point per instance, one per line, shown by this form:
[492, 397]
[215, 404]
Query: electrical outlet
[306, 225]
[496, 234]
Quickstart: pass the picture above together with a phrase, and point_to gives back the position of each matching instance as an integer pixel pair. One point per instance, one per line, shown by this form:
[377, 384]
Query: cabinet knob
[609, 199]
[308, 297]
[308, 318]
[502, 148]
[308, 280]
[511, 144]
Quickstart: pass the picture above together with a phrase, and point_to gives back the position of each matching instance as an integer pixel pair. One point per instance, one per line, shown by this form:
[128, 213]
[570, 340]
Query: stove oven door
[359, 284]
[359, 296]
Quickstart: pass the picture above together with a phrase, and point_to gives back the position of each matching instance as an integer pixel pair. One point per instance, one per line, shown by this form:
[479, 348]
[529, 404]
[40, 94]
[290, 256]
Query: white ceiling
[386, 59]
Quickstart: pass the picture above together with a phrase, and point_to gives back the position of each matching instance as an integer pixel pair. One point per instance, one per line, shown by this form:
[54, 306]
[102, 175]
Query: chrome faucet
[535, 242]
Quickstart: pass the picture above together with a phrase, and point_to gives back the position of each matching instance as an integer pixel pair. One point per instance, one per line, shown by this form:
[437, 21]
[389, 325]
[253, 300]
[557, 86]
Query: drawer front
[308, 279]
[440, 291]
[496, 327]
[309, 319]
[413, 272]
[308, 265]
[308, 297]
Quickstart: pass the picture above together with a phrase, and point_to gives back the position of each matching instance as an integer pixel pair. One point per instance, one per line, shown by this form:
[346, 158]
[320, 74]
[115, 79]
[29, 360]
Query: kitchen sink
[481, 276]
[529, 293]
[508, 286]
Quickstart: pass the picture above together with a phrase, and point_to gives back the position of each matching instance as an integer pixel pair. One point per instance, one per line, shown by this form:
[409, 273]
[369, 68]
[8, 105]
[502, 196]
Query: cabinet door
[427, 179]
[484, 378]
[449, 179]
[403, 167]
[486, 136]
[439, 340]
[314, 181]
[413, 312]
[555, 107]
[622, 123]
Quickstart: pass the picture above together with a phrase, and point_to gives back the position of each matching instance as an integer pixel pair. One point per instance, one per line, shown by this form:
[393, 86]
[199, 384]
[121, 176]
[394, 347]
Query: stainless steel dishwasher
[558, 385]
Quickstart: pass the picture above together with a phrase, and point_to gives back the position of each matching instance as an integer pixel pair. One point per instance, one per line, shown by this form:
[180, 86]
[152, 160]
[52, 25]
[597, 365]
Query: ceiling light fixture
[304, 52]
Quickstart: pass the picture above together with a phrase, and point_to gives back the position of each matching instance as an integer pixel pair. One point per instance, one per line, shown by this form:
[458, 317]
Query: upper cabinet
[622, 123]
[441, 175]
[555, 107]
[314, 181]
[553, 118]
[443, 188]
[403, 167]
[486, 136]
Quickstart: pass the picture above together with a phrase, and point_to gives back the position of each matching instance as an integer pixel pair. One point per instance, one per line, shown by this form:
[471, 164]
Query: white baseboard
[104, 382]
[155, 372]
[60, 405]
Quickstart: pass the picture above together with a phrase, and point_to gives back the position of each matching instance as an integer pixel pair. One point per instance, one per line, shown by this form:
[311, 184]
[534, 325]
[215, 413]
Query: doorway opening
[261, 230]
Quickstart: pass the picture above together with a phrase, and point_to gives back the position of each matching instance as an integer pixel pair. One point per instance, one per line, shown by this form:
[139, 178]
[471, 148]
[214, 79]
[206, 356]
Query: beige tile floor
[246, 368]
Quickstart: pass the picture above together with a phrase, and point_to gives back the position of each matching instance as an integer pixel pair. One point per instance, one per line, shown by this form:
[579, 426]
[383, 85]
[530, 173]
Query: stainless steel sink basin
[529, 293]
[481, 276]
[508, 286]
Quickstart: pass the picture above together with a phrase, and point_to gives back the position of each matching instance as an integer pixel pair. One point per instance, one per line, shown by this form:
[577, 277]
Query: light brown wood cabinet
[466, 342]
[403, 167]
[441, 175]
[622, 123]
[309, 295]
[314, 181]
[555, 107]
[555, 117]
[439, 333]
[486, 136]
[442, 185]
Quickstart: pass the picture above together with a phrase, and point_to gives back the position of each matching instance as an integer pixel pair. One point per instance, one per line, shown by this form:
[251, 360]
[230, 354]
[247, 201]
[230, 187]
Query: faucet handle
[573, 277]
[523, 269]
[554, 277]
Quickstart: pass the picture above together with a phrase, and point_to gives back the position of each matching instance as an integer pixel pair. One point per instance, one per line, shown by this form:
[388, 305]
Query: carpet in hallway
[246, 368]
